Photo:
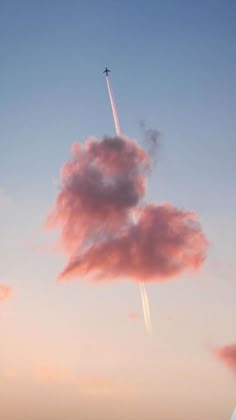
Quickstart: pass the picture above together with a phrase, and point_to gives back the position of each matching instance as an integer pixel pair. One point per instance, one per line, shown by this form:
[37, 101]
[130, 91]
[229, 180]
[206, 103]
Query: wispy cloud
[5, 292]
[133, 315]
[227, 355]
[97, 385]
[52, 374]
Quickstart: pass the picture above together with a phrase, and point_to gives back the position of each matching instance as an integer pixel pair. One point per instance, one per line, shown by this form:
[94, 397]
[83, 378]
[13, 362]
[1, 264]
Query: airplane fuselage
[107, 71]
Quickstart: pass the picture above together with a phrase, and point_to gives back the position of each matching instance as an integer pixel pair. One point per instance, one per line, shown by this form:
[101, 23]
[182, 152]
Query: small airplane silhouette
[107, 71]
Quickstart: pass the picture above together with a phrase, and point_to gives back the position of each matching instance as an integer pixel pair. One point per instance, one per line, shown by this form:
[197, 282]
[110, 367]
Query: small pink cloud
[133, 315]
[227, 355]
[5, 293]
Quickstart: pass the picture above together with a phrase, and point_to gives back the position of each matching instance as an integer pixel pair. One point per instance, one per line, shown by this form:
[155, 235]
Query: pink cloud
[227, 355]
[102, 182]
[106, 229]
[163, 243]
[5, 293]
[133, 315]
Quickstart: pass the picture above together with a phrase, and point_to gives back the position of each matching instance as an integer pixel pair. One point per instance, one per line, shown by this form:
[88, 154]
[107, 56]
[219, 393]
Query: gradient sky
[71, 350]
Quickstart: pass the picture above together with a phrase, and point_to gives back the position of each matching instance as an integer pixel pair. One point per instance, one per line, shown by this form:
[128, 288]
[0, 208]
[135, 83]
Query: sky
[78, 349]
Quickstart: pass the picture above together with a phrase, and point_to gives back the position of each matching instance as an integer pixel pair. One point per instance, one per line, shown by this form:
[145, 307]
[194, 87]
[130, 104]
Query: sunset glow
[117, 210]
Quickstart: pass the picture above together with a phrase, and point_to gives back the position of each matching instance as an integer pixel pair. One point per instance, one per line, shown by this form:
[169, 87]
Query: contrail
[144, 296]
[113, 107]
[146, 308]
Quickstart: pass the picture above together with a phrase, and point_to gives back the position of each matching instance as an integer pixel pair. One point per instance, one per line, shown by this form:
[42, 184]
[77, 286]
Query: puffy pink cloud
[227, 355]
[163, 243]
[102, 182]
[5, 292]
[107, 231]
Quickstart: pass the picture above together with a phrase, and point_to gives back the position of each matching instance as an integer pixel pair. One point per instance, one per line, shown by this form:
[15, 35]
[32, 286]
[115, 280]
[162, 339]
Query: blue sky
[173, 65]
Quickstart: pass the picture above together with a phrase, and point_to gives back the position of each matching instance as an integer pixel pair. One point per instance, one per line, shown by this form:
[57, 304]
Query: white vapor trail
[113, 107]
[146, 308]
[144, 296]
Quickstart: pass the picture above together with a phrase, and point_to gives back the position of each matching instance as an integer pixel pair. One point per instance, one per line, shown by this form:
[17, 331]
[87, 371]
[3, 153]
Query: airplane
[107, 71]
